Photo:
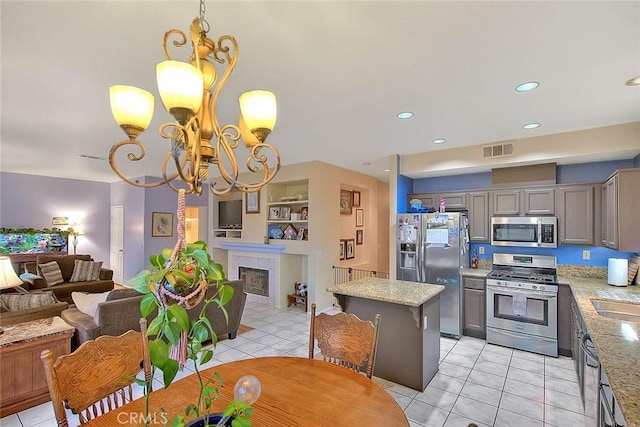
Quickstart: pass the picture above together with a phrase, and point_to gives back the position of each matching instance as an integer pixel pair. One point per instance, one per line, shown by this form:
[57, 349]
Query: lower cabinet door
[475, 313]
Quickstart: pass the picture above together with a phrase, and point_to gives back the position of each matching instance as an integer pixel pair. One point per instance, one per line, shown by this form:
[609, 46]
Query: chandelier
[189, 91]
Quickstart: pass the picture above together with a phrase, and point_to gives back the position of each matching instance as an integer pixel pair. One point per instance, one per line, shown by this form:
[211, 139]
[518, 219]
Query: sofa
[120, 312]
[32, 311]
[33, 279]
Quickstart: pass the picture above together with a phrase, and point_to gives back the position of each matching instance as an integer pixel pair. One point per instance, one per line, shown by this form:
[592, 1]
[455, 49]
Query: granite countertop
[476, 272]
[619, 354]
[35, 329]
[413, 294]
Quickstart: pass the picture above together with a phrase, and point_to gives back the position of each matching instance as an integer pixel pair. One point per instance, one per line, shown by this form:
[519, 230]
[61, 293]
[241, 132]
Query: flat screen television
[230, 214]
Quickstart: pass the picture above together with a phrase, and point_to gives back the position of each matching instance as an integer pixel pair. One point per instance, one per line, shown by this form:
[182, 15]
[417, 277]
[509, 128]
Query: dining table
[295, 392]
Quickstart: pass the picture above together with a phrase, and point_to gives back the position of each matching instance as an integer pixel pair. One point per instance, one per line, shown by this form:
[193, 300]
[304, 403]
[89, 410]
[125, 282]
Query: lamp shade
[131, 106]
[258, 109]
[180, 85]
[8, 276]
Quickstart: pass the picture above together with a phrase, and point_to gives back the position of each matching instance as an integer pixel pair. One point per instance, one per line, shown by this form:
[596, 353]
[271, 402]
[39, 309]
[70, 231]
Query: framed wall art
[356, 199]
[359, 217]
[162, 224]
[274, 212]
[252, 203]
[343, 249]
[285, 212]
[359, 236]
[346, 202]
[350, 248]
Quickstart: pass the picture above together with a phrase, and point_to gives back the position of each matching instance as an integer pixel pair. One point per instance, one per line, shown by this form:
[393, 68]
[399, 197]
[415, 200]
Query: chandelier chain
[203, 20]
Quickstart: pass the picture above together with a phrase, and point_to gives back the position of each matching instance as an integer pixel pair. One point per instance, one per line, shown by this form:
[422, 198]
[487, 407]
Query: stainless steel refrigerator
[433, 248]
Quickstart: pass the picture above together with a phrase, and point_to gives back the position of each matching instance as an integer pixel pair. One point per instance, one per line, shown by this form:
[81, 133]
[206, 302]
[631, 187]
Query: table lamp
[8, 277]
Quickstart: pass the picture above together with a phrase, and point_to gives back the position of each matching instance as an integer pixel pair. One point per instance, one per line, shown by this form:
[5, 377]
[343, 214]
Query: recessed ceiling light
[439, 141]
[405, 115]
[387, 170]
[524, 87]
[531, 125]
[634, 81]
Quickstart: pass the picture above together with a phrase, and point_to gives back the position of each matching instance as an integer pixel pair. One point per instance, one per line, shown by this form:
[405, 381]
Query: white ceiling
[341, 71]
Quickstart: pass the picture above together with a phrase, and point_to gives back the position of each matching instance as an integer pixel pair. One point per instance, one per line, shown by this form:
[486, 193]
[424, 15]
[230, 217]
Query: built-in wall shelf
[227, 233]
[288, 210]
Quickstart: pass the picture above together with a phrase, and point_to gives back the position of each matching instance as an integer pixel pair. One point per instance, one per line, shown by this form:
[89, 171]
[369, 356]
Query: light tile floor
[477, 382]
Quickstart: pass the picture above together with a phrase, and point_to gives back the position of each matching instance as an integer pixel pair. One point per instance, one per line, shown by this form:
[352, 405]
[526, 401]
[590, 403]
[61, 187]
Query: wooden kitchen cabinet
[456, 201]
[475, 306]
[479, 216]
[620, 207]
[523, 201]
[576, 214]
[565, 321]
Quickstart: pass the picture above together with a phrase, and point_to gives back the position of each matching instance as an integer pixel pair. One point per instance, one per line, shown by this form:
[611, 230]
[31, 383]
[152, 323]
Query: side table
[24, 383]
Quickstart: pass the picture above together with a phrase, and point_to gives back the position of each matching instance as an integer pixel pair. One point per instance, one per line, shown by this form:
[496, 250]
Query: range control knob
[534, 287]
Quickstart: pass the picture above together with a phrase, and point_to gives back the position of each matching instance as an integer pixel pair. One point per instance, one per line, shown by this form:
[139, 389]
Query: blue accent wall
[590, 172]
[565, 254]
[636, 161]
[469, 181]
[405, 185]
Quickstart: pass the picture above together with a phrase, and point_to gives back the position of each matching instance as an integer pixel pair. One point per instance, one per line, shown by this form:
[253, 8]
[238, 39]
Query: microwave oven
[528, 231]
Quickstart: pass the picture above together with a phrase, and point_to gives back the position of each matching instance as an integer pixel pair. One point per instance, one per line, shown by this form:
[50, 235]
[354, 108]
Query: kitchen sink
[617, 310]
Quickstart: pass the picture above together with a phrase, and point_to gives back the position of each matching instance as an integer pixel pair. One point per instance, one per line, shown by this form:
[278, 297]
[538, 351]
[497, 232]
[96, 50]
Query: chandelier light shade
[131, 107]
[180, 86]
[189, 91]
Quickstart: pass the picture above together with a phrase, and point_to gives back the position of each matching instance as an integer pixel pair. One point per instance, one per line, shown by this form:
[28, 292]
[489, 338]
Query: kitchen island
[409, 335]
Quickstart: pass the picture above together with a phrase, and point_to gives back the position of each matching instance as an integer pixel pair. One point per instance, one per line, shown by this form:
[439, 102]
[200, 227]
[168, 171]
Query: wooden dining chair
[98, 376]
[344, 339]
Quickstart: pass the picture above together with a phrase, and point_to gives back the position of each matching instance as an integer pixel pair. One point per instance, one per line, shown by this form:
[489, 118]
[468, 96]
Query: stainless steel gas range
[522, 303]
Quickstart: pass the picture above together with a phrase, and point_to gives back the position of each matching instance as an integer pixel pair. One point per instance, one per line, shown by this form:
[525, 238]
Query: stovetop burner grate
[522, 276]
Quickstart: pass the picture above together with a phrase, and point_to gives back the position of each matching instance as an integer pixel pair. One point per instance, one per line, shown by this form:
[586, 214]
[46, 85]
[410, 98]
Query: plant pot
[208, 420]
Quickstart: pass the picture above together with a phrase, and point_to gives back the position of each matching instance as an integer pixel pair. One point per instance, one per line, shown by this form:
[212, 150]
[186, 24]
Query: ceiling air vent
[498, 150]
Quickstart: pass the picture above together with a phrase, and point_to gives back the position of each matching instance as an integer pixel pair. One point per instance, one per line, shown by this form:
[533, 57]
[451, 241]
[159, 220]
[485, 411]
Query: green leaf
[240, 422]
[140, 281]
[158, 352]
[169, 371]
[191, 410]
[155, 326]
[178, 421]
[216, 272]
[206, 356]
[147, 304]
[181, 316]
[200, 331]
[226, 293]
[157, 260]
[201, 257]
[172, 332]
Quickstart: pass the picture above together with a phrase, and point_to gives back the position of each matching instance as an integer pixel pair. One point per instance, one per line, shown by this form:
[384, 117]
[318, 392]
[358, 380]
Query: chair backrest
[344, 339]
[97, 377]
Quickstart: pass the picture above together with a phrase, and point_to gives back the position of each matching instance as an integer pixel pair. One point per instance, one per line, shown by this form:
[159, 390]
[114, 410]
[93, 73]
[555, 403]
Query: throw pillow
[87, 302]
[51, 273]
[85, 270]
[26, 301]
[3, 307]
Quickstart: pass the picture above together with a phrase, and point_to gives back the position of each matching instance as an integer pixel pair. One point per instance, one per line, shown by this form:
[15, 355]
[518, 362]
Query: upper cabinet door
[479, 216]
[576, 213]
[539, 201]
[506, 202]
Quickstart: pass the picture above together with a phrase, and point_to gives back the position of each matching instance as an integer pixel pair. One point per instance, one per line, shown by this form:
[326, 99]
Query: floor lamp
[75, 230]
[9, 278]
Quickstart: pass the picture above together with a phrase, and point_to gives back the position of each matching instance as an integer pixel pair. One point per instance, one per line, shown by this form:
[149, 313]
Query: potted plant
[176, 282]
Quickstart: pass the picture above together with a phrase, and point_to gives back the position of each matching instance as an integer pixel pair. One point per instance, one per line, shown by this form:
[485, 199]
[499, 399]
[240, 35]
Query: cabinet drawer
[474, 283]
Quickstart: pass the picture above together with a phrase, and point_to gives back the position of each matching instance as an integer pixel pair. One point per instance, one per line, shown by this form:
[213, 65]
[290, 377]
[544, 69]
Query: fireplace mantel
[253, 247]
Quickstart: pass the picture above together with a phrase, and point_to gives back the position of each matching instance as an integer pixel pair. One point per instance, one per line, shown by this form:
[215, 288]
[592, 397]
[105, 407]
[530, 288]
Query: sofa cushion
[64, 290]
[122, 293]
[88, 303]
[66, 262]
[85, 270]
[3, 307]
[51, 273]
[15, 302]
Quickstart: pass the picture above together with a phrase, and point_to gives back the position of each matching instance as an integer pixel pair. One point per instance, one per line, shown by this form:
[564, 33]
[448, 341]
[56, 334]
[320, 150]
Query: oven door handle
[539, 233]
[503, 291]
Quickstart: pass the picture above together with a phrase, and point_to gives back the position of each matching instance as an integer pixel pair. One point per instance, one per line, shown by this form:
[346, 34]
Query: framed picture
[359, 217]
[285, 212]
[359, 234]
[252, 203]
[60, 220]
[162, 224]
[346, 202]
[304, 213]
[302, 235]
[274, 212]
[351, 248]
[356, 199]
[343, 249]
